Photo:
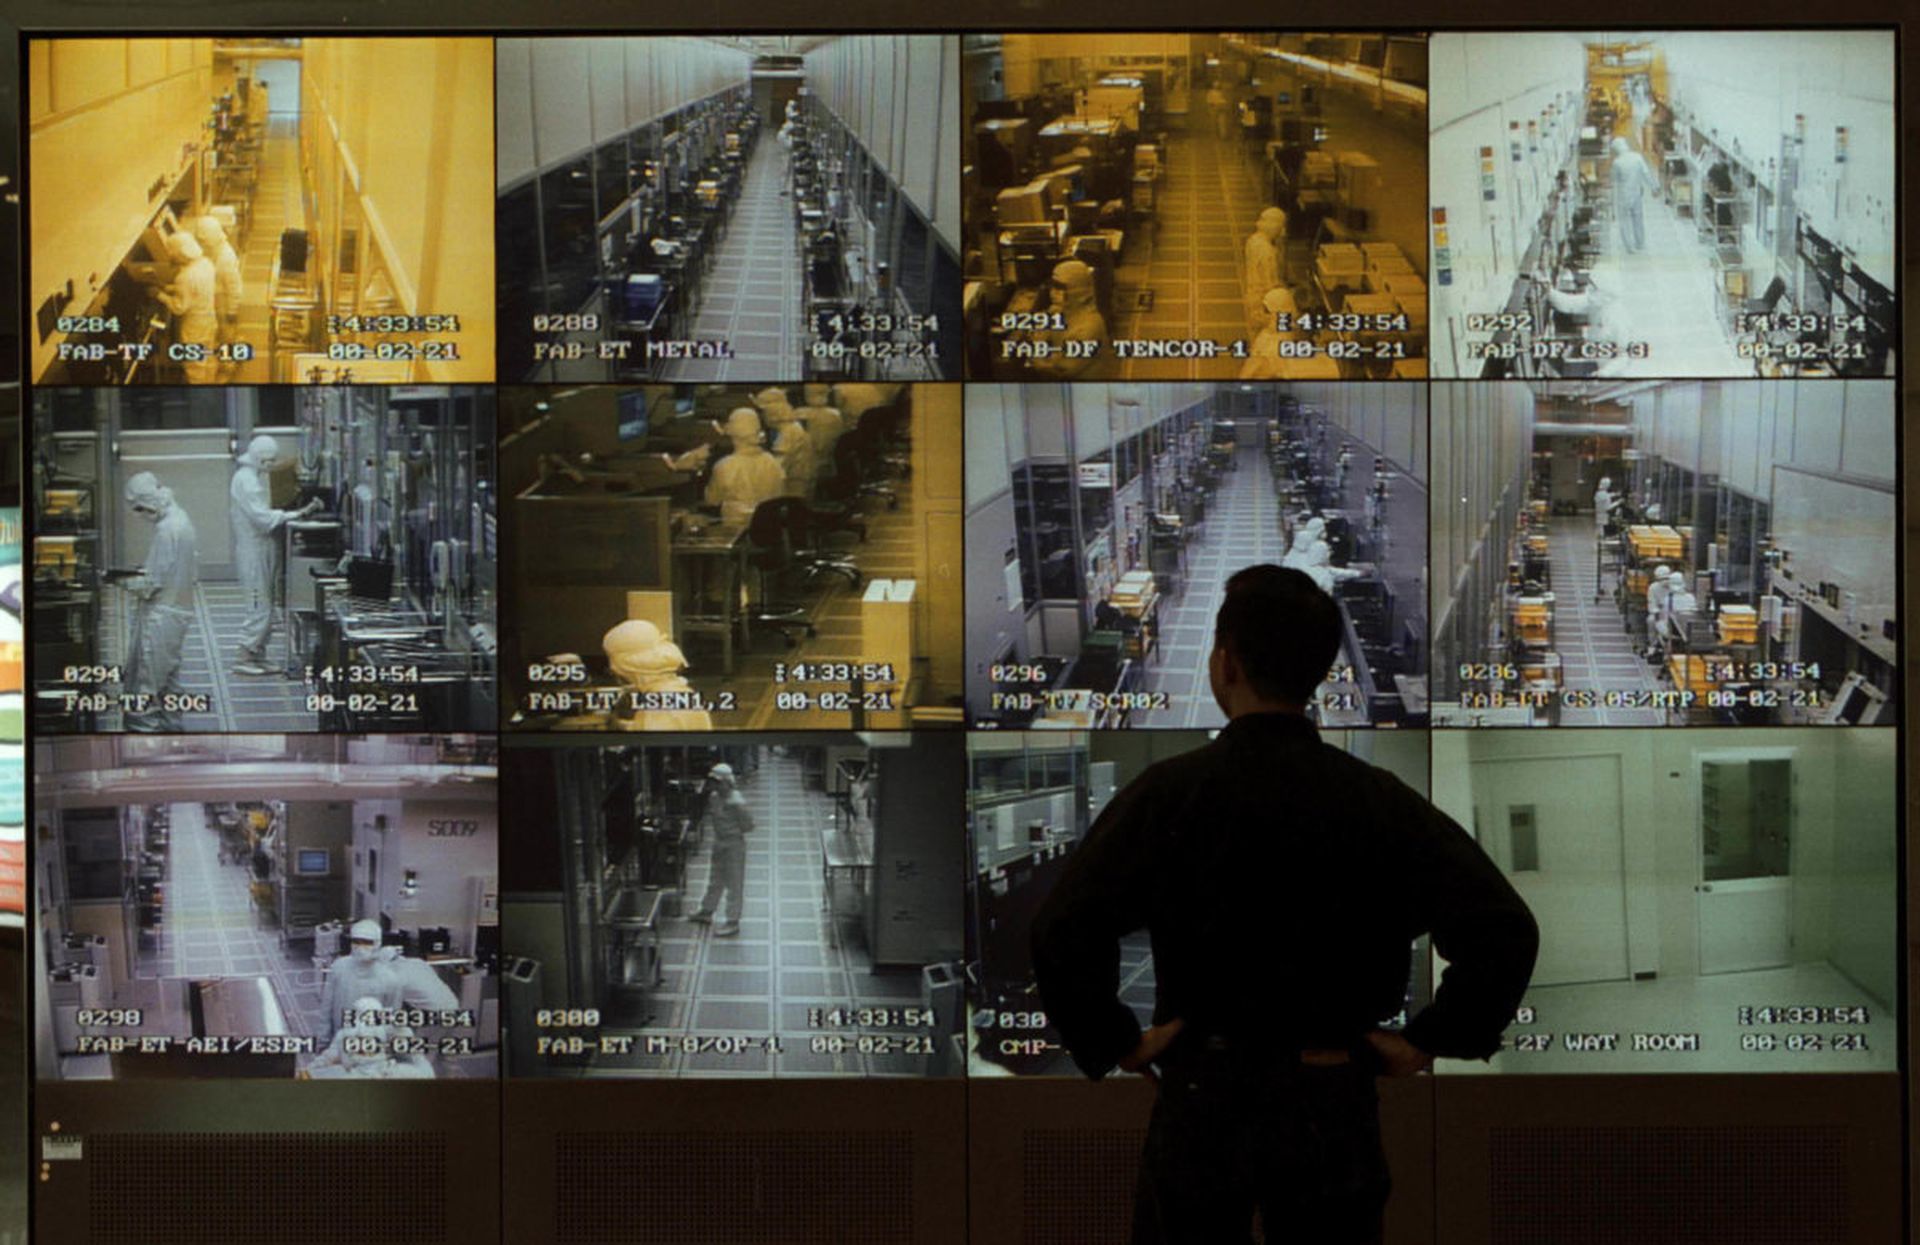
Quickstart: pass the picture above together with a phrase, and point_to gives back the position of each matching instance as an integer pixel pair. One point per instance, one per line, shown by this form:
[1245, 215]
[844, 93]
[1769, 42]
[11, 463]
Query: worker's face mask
[363, 952]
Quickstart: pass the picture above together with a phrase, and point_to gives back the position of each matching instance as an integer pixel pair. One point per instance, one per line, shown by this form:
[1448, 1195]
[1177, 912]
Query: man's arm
[162, 557]
[252, 501]
[1076, 934]
[1478, 922]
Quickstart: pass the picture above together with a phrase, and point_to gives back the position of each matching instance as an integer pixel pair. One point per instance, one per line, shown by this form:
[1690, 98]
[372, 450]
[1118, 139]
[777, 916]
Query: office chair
[770, 553]
[862, 447]
[893, 437]
[836, 497]
[809, 553]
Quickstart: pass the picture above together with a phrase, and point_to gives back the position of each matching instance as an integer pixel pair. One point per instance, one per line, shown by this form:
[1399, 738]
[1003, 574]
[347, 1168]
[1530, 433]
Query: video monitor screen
[742, 905]
[1104, 521]
[276, 229]
[267, 906]
[1674, 203]
[310, 558]
[13, 717]
[1678, 553]
[1709, 901]
[767, 557]
[702, 209]
[1247, 206]
[1032, 798]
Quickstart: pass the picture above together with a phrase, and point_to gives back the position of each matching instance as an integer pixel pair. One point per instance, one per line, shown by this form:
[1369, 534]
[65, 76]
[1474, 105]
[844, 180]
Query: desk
[1082, 127]
[719, 548]
[846, 856]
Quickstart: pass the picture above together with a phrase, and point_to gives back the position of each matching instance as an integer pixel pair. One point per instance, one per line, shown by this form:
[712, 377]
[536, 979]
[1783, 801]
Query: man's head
[208, 233]
[722, 774]
[364, 940]
[1272, 223]
[182, 249]
[1274, 639]
[743, 428]
[262, 452]
[147, 497]
[1073, 281]
[636, 650]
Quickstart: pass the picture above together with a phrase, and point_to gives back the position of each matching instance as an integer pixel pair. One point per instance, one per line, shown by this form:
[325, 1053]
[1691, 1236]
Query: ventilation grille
[1077, 1185]
[249, 1188]
[1669, 1186]
[789, 1188]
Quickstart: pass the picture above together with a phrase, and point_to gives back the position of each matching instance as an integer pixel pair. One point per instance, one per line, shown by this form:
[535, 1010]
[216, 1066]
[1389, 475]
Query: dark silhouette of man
[1283, 883]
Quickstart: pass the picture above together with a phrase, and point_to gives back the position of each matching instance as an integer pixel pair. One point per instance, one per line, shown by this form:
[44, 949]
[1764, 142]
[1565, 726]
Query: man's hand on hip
[1398, 1057]
[1153, 1043]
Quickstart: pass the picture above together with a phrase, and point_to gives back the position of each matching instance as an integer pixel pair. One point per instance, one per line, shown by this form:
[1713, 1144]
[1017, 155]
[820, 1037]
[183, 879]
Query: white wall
[987, 449]
[1092, 419]
[559, 98]
[1843, 845]
[1481, 443]
[1862, 940]
[283, 86]
[1748, 86]
[445, 865]
[1404, 754]
[1479, 86]
[1648, 827]
[900, 96]
[1391, 416]
[1820, 453]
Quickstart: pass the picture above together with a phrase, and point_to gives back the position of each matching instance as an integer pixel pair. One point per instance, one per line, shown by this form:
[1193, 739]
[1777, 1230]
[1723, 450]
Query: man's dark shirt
[1283, 882]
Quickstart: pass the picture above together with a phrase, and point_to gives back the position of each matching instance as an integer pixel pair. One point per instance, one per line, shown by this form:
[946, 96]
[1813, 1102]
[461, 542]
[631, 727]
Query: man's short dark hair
[1282, 629]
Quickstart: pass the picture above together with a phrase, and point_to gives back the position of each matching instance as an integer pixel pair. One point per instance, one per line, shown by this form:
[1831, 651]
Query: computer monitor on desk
[633, 418]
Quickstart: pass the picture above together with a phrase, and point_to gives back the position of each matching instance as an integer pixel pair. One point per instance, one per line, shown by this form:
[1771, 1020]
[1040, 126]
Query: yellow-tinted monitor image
[260, 211]
[1147, 206]
[732, 557]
